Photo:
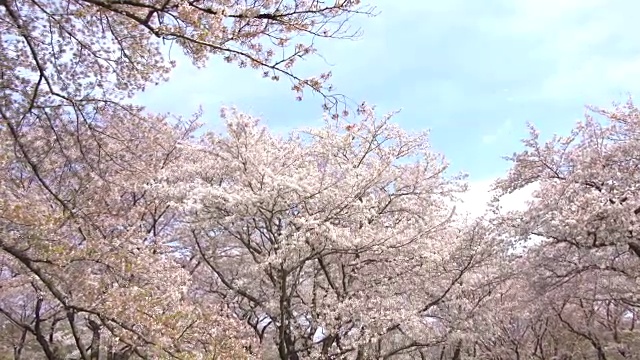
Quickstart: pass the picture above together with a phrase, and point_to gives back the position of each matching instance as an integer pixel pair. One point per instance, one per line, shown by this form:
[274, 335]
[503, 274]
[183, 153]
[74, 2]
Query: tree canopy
[132, 235]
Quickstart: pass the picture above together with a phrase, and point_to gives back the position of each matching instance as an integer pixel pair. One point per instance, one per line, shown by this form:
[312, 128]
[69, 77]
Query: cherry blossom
[582, 257]
[330, 240]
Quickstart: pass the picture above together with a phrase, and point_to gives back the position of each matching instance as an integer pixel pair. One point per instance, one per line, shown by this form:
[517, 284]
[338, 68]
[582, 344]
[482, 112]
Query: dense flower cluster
[324, 240]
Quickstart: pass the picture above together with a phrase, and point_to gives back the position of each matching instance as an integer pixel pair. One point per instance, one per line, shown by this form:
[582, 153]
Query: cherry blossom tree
[524, 318]
[87, 256]
[77, 52]
[331, 242]
[580, 231]
[87, 261]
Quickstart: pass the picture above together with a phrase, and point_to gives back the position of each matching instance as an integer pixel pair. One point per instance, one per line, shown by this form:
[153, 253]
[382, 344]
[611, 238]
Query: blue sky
[474, 72]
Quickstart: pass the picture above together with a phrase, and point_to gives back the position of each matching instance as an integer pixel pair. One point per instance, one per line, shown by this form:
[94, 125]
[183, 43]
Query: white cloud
[534, 16]
[503, 130]
[475, 200]
[599, 74]
[589, 46]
